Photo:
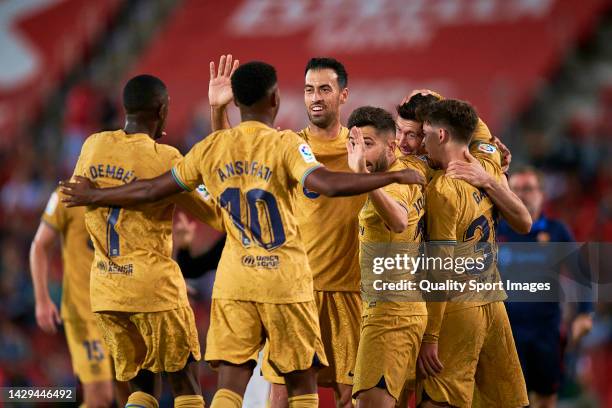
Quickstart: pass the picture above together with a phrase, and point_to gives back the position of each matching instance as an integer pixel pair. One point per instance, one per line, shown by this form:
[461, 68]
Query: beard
[381, 165]
[323, 121]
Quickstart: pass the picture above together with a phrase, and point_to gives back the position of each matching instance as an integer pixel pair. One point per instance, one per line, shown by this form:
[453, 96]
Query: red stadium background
[500, 55]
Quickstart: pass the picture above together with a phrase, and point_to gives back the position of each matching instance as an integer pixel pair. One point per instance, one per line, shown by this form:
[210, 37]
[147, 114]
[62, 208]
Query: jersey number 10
[231, 200]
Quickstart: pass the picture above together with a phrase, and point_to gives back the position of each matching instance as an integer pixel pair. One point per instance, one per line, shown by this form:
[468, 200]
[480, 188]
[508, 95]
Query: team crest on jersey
[310, 194]
[52, 204]
[307, 153]
[203, 192]
[487, 148]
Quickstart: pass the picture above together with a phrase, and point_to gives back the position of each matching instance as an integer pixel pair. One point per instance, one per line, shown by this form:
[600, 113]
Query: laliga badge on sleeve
[307, 153]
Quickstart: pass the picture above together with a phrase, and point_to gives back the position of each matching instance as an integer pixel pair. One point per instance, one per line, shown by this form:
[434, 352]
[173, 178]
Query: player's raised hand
[506, 156]
[79, 192]
[428, 363]
[470, 171]
[47, 316]
[220, 85]
[184, 231]
[356, 151]
[409, 176]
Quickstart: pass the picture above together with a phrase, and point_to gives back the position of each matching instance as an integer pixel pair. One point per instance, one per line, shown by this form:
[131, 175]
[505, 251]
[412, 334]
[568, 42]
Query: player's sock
[304, 401]
[141, 399]
[189, 401]
[225, 398]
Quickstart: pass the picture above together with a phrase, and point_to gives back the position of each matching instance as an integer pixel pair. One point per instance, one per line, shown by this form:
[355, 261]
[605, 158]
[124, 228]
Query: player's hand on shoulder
[78, 192]
[355, 146]
[470, 171]
[409, 176]
[220, 85]
[506, 155]
[47, 316]
[418, 91]
[428, 363]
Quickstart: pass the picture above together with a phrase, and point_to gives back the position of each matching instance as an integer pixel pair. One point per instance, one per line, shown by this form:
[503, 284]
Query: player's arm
[441, 217]
[83, 191]
[509, 204]
[220, 92]
[338, 184]
[393, 214]
[47, 315]
[185, 175]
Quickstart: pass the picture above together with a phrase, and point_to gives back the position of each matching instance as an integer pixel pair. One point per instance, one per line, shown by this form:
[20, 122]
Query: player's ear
[391, 143]
[163, 110]
[443, 135]
[344, 95]
[275, 98]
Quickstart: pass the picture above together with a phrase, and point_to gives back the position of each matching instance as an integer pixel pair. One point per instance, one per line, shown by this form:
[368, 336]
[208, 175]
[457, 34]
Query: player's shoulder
[482, 147]
[441, 185]
[482, 132]
[289, 135]
[99, 137]
[303, 133]
[414, 162]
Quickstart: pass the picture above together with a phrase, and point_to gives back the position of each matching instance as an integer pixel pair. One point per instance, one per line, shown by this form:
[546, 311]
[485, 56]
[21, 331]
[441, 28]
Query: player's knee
[235, 377]
[301, 382]
[185, 381]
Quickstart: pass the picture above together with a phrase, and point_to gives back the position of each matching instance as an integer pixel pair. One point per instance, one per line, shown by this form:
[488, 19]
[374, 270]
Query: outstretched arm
[337, 184]
[83, 192]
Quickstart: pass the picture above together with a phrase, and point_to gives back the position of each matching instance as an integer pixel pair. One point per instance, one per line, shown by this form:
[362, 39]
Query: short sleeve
[402, 194]
[489, 157]
[300, 161]
[441, 213]
[187, 172]
[482, 133]
[55, 212]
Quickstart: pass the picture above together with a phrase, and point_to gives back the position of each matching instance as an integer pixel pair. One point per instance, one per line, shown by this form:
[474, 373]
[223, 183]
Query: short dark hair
[378, 118]
[459, 116]
[252, 81]
[144, 93]
[329, 63]
[408, 110]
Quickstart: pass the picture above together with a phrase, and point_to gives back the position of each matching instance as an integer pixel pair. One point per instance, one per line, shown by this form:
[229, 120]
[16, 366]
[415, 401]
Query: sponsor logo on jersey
[307, 153]
[261, 261]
